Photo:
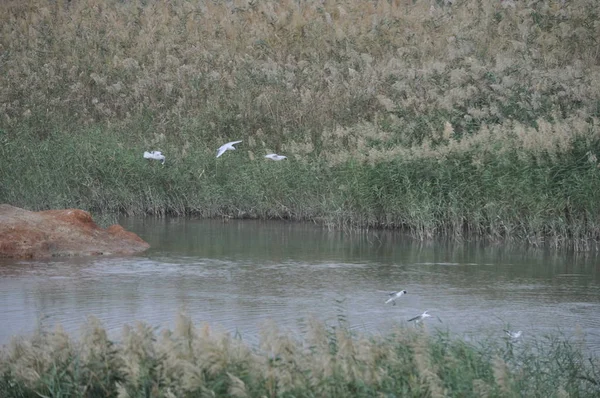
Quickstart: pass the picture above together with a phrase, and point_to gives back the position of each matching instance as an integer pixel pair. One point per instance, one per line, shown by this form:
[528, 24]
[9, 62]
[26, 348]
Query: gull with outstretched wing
[227, 147]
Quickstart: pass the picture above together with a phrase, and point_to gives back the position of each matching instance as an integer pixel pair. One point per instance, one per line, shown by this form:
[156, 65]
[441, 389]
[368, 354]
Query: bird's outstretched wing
[415, 318]
[227, 146]
[222, 150]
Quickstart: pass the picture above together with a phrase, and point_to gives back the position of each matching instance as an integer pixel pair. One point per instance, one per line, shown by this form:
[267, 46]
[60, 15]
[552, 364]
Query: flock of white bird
[396, 295]
[157, 155]
[421, 317]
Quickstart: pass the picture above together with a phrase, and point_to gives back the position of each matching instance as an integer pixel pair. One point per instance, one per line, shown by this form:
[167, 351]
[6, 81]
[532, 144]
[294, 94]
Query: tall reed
[477, 118]
[326, 361]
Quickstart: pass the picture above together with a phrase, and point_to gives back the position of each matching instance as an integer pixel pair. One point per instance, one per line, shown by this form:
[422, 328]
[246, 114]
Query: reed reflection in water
[239, 274]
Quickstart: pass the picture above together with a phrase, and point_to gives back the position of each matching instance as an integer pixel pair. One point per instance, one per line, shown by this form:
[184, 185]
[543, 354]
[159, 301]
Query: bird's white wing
[227, 146]
[222, 150]
[147, 155]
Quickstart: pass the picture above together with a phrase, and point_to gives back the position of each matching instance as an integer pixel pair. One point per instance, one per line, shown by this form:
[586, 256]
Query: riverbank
[554, 201]
[478, 120]
[325, 361]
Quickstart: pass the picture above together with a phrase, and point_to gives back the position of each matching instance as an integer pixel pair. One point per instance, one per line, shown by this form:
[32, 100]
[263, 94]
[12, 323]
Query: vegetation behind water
[323, 362]
[476, 119]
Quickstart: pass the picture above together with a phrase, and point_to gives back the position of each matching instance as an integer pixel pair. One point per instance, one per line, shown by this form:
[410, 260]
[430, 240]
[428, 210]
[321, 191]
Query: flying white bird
[421, 317]
[513, 335]
[227, 147]
[156, 155]
[274, 156]
[394, 296]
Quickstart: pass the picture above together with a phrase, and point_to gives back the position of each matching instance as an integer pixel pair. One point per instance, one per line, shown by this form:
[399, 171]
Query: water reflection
[241, 273]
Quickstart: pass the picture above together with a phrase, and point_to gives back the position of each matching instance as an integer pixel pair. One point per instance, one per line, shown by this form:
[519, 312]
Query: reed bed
[467, 118]
[192, 361]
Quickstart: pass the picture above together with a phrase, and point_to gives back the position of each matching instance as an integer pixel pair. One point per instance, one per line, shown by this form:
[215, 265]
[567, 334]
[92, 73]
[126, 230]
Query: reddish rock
[52, 233]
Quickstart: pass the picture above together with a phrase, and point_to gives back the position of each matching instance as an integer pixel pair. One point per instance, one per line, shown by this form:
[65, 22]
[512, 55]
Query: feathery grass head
[394, 114]
[323, 361]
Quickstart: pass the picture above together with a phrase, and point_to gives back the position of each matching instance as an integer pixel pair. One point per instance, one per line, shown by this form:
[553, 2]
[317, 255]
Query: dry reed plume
[350, 76]
[324, 361]
[476, 118]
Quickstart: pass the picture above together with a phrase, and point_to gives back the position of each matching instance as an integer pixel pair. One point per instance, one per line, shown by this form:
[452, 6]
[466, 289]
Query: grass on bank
[325, 361]
[509, 195]
[476, 119]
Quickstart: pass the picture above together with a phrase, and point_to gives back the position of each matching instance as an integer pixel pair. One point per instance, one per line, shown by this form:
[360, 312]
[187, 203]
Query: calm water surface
[239, 274]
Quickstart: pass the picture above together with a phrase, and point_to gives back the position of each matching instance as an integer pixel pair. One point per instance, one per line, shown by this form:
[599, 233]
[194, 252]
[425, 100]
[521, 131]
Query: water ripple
[473, 293]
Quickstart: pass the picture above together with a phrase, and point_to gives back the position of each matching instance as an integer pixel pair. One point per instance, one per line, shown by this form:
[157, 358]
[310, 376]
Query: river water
[236, 275]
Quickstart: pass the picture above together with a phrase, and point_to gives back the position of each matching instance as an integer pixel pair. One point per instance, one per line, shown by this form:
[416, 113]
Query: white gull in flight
[274, 156]
[421, 317]
[156, 155]
[513, 335]
[394, 296]
[227, 147]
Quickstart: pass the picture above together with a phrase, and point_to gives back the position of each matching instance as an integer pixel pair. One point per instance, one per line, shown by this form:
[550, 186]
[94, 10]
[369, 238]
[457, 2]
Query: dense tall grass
[476, 119]
[323, 362]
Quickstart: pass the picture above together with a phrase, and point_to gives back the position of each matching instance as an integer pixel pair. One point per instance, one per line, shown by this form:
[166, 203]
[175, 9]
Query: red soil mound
[70, 232]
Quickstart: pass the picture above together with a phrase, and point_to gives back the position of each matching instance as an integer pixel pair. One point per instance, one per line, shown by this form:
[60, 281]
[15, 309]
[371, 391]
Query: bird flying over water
[394, 296]
[513, 335]
[274, 156]
[227, 147]
[156, 155]
[421, 317]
